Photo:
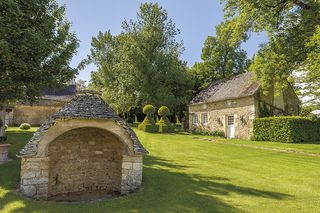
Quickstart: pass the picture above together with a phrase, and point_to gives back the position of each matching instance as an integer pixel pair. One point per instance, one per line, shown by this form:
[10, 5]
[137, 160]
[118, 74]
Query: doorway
[230, 126]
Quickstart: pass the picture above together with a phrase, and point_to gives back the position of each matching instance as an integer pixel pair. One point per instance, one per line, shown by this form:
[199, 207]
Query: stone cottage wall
[243, 109]
[34, 115]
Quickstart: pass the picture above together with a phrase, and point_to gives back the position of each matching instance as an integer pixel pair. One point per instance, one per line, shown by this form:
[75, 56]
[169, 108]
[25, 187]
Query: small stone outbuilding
[231, 105]
[37, 113]
[84, 151]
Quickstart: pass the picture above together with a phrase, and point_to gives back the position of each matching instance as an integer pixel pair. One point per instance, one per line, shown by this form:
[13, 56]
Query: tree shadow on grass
[165, 189]
[151, 160]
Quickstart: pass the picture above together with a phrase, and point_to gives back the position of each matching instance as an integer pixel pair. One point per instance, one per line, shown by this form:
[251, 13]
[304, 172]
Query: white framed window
[195, 119]
[204, 118]
[230, 120]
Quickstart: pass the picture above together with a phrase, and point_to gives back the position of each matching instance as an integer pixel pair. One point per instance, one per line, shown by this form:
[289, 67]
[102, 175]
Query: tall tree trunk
[272, 99]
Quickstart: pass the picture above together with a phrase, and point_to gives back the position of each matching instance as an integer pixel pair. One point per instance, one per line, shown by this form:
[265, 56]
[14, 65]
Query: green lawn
[184, 174]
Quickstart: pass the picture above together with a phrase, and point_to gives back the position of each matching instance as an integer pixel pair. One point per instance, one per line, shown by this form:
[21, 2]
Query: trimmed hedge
[148, 109]
[134, 124]
[178, 127]
[148, 127]
[164, 123]
[148, 124]
[286, 129]
[164, 111]
[25, 126]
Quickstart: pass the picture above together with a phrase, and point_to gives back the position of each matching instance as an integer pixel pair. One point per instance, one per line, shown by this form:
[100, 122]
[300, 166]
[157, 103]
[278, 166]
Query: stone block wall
[131, 173]
[243, 110]
[85, 161]
[35, 177]
[81, 162]
[34, 115]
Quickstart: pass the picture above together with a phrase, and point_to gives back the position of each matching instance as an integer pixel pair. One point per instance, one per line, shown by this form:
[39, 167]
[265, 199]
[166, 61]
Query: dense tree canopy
[291, 26]
[221, 55]
[141, 65]
[36, 46]
[312, 66]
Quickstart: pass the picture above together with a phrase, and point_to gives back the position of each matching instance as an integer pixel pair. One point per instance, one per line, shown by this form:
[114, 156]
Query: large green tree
[142, 64]
[221, 56]
[291, 26]
[36, 46]
[312, 68]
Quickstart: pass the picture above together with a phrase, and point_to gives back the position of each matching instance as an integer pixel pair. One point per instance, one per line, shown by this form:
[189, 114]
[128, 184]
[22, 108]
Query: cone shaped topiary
[135, 123]
[178, 124]
[148, 124]
[164, 123]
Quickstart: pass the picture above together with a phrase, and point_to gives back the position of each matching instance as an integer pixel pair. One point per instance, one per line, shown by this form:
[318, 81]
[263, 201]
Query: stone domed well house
[232, 104]
[83, 151]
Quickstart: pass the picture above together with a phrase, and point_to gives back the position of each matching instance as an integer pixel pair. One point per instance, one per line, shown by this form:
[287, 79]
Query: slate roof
[237, 86]
[82, 106]
[54, 97]
[68, 90]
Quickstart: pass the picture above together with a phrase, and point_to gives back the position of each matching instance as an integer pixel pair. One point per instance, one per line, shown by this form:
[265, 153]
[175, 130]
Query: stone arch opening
[85, 162]
[84, 151]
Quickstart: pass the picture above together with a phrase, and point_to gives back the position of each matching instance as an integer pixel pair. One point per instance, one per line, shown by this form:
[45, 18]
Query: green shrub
[162, 128]
[177, 120]
[164, 123]
[199, 130]
[148, 109]
[286, 129]
[25, 126]
[148, 124]
[164, 111]
[157, 119]
[5, 127]
[148, 127]
[134, 124]
[178, 126]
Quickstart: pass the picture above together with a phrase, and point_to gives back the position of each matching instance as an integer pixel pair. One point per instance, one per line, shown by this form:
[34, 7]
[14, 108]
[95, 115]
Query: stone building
[37, 113]
[231, 106]
[83, 151]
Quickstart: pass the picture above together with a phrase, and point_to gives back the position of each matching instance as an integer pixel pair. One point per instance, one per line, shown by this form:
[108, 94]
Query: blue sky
[196, 19]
